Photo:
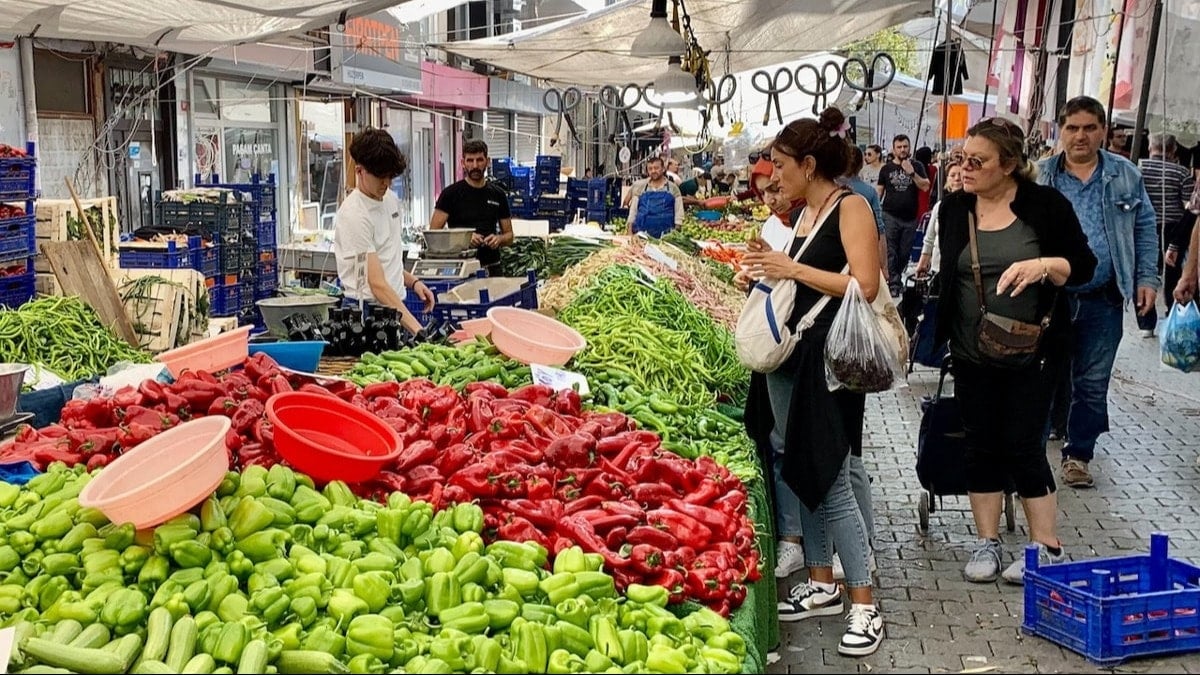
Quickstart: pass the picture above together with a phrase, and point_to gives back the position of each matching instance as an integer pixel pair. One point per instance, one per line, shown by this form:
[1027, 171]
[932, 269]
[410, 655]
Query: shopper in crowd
[697, 188]
[926, 199]
[1170, 186]
[867, 191]
[900, 180]
[477, 204]
[792, 408]
[655, 206]
[872, 163]
[1111, 201]
[1185, 290]
[366, 231]
[931, 258]
[673, 171]
[1009, 246]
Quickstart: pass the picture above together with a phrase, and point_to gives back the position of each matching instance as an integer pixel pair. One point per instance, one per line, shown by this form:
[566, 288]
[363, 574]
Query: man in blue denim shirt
[1114, 209]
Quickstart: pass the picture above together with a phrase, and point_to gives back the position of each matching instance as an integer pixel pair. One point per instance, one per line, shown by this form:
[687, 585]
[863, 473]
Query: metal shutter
[497, 135]
[528, 138]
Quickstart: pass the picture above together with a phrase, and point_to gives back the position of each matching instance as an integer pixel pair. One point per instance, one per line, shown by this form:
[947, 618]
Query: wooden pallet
[336, 365]
[54, 223]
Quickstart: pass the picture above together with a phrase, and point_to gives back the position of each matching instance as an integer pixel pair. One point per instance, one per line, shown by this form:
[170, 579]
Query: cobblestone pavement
[1147, 479]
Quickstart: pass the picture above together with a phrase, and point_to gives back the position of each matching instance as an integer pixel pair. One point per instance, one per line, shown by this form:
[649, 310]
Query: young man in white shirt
[366, 240]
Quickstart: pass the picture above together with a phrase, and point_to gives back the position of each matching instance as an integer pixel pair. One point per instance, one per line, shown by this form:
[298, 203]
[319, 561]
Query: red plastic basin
[329, 439]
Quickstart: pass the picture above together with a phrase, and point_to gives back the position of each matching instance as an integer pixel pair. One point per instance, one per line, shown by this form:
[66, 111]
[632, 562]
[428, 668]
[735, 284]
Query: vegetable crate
[438, 286]
[265, 235]
[18, 175]
[173, 256]
[59, 220]
[521, 181]
[225, 300]
[1113, 609]
[261, 194]
[18, 237]
[207, 260]
[17, 289]
[597, 194]
[598, 215]
[525, 298]
[224, 220]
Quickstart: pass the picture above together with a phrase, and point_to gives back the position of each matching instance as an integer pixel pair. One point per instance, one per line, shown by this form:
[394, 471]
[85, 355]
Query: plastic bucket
[302, 356]
[329, 439]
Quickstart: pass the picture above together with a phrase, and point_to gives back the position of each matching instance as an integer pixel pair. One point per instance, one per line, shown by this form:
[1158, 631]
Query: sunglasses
[1011, 129]
[972, 163]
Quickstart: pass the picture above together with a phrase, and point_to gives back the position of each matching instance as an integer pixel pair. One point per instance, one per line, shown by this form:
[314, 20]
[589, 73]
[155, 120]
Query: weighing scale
[446, 268]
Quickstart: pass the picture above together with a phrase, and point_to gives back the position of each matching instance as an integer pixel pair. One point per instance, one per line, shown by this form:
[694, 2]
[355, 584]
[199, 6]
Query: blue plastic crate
[224, 300]
[597, 193]
[18, 237]
[447, 312]
[548, 204]
[262, 200]
[18, 175]
[18, 289]
[173, 256]
[577, 188]
[501, 167]
[1113, 609]
[547, 186]
[207, 260]
[557, 223]
[598, 215]
[549, 161]
[522, 179]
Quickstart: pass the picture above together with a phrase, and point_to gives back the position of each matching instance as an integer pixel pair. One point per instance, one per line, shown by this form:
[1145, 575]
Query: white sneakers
[789, 558]
[864, 625]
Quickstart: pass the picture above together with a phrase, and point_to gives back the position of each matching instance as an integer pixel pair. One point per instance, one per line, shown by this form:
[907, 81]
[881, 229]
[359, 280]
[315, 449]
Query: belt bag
[1002, 340]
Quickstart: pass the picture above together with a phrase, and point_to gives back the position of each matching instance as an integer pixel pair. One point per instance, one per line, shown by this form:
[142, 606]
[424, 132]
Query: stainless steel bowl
[12, 376]
[448, 241]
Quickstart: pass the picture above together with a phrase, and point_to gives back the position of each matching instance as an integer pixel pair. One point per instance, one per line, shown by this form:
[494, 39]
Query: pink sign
[443, 86]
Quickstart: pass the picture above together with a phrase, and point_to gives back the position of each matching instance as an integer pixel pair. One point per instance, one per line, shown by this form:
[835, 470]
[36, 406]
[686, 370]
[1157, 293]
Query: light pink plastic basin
[164, 476]
[530, 337]
[474, 327]
[210, 354]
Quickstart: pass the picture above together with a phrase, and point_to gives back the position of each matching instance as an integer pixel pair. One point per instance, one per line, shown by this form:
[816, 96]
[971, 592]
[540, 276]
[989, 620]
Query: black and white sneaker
[864, 631]
[807, 600]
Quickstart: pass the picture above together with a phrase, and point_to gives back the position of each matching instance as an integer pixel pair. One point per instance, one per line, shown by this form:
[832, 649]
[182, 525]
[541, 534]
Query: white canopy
[593, 49]
[181, 25]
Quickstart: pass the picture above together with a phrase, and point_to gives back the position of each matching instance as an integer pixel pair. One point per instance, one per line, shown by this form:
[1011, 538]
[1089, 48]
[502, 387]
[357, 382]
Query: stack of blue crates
[546, 175]
[18, 233]
[260, 276]
[502, 172]
[597, 202]
[577, 195]
[227, 228]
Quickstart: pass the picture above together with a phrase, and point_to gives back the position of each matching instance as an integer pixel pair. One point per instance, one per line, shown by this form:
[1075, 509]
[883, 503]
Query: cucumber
[254, 658]
[75, 659]
[200, 663]
[93, 637]
[303, 661]
[158, 635]
[66, 631]
[151, 668]
[183, 643]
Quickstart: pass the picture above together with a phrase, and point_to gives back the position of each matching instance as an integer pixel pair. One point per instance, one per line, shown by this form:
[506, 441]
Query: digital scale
[444, 269]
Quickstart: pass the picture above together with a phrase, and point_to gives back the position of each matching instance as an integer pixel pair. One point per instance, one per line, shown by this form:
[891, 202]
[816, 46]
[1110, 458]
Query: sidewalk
[1147, 479]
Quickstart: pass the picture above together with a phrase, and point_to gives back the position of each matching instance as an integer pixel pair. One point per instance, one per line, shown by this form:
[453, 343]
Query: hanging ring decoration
[662, 108]
[617, 100]
[881, 63]
[824, 84]
[772, 86]
[717, 94]
[563, 102]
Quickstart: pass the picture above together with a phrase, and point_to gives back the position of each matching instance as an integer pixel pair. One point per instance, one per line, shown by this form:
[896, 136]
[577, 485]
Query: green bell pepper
[233, 607]
[575, 639]
[501, 613]
[537, 613]
[212, 517]
[304, 609]
[531, 646]
[280, 568]
[468, 517]
[647, 595]
[570, 560]
[606, 638]
[485, 654]
[388, 524]
[664, 659]
[634, 646]
[720, 660]
[409, 592]
[595, 662]
[344, 605]
[230, 642]
[341, 571]
[705, 623]
[525, 581]
[452, 650]
[442, 591]
[412, 568]
[370, 634]
[72, 541]
[325, 639]
[471, 568]
[281, 482]
[53, 526]
[374, 588]
[339, 494]
[366, 663]
[468, 617]
[288, 635]
[262, 545]
[124, 611]
[190, 553]
[377, 562]
[239, 565]
[562, 661]
[467, 542]
[438, 560]
[250, 516]
[523, 556]
[473, 593]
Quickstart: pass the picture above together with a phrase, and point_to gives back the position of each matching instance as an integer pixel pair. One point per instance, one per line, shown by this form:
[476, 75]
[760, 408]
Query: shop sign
[377, 52]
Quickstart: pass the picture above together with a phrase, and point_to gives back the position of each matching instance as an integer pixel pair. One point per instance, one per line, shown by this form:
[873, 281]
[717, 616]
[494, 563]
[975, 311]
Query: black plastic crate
[224, 220]
[261, 195]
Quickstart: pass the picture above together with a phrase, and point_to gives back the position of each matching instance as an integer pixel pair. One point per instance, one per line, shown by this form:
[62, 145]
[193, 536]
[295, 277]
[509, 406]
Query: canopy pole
[1144, 101]
[925, 90]
[987, 77]
[1112, 85]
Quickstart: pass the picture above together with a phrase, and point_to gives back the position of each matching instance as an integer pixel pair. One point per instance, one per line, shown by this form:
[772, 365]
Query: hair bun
[831, 119]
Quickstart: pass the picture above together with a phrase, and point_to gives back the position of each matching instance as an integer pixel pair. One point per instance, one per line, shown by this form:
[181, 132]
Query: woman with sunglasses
[1029, 245]
[791, 409]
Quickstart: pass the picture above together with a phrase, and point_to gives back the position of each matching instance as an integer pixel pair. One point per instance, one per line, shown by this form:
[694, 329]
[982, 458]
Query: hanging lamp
[658, 38]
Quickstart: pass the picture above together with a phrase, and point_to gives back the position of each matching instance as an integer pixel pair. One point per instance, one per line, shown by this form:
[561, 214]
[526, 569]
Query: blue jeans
[899, 234]
[787, 504]
[838, 522]
[1097, 325]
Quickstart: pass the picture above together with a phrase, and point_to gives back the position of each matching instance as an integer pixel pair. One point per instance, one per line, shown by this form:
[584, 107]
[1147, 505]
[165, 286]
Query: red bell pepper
[732, 502]
[703, 583]
[278, 384]
[478, 480]
[97, 460]
[567, 402]
[134, 433]
[423, 477]
[652, 494]
[124, 397]
[264, 432]
[607, 486]
[198, 394]
[603, 521]
[224, 406]
[421, 453]
[234, 440]
[611, 424]
[151, 391]
[151, 418]
[583, 504]
[537, 487]
[455, 494]
[545, 513]
[673, 581]
[721, 525]
[646, 559]
[705, 494]
[486, 390]
[520, 530]
[246, 415]
[26, 434]
[571, 451]
[537, 394]
[316, 389]
[520, 447]
[616, 538]
[547, 422]
[685, 528]
[382, 390]
[582, 533]
[44, 456]
[454, 458]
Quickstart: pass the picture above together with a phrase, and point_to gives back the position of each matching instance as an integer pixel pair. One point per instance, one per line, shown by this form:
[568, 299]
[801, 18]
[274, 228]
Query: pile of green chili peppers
[64, 335]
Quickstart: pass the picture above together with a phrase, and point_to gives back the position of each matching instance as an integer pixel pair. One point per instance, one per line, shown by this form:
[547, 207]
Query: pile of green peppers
[476, 361]
[270, 574]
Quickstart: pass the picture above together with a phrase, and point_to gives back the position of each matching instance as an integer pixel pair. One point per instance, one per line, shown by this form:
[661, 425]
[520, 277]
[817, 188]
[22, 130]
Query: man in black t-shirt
[899, 182]
[475, 203]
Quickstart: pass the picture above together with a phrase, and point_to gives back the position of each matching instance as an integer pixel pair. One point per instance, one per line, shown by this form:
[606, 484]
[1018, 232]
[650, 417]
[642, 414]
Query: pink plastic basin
[473, 327]
[164, 476]
[210, 354]
[530, 337]
[329, 439]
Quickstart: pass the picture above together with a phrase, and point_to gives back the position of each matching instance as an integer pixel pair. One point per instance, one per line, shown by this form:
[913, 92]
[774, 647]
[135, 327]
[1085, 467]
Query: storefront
[513, 121]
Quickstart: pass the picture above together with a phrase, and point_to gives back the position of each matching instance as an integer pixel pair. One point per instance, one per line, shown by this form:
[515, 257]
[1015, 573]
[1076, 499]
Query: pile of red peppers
[541, 468]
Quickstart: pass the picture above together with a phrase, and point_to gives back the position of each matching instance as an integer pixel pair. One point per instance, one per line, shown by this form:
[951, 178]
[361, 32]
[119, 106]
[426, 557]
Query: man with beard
[657, 206]
[899, 183]
[479, 205]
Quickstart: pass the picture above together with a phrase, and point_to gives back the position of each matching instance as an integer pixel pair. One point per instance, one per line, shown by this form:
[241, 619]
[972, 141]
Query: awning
[593, 49]
[192, 26]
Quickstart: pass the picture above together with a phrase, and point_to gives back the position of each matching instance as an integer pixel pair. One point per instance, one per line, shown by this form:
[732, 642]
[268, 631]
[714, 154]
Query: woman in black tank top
[815, 433]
